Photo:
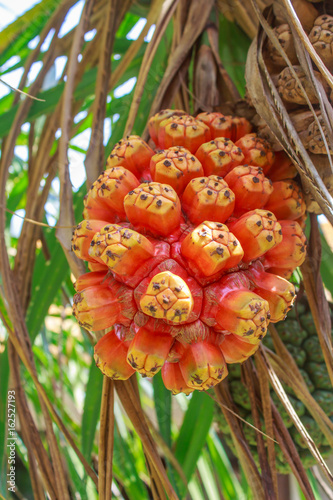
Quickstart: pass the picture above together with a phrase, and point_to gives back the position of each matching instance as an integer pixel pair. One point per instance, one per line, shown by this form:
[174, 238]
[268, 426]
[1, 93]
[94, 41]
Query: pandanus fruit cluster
[189, 248]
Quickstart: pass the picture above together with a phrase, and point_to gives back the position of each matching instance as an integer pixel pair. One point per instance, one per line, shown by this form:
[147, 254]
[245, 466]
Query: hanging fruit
[181, 243]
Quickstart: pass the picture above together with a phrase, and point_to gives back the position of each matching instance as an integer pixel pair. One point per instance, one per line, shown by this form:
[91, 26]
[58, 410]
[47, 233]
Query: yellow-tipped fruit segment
[174, 380]
[149, 350]
[133, 154]
[258, 231]
[155, 207]
[279, 271]
[211, 248]
[244, 313]
[235, 350]
[167, 297]
[230, 305]
[203, 365]
[279, 293]
[291, 252]
[257, 151]
[90, 279]
[154, 121]
[219, 124]
[250, 186]
[208, 198]
[175, 166]
[101, 306]
[219, 156]
[97, 266]
[286, 201]
[83, 235]
[123, 250]
[110, 355]
[96, 209]
[240, 127]
[302, 221]
[282, 168]
[105, 199]
[182, 131]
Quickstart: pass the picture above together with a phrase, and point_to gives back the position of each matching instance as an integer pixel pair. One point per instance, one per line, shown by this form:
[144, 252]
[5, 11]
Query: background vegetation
[119, 62]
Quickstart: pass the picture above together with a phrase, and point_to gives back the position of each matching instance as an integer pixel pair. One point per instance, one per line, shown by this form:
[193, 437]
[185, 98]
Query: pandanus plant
[191, 234]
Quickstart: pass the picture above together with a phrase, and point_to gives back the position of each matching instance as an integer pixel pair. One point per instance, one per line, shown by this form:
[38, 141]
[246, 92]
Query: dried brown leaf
[268, 418]
[169, 455]
[275, 381]
[291, 455]
[33, 440]
[249, 378]
[197, 18]
[23, 349]
[243, 450]
[228, 90]
[95, 155]
[242, 13]
[166, 9]
[316, 295]
[285, 441]
[132, 406]
[106, 436]
[66, 215]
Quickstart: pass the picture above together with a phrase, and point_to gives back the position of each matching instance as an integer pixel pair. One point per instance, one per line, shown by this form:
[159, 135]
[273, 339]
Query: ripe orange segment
[241, 127]
[244, 313]
[235, 350]
[258, 231]
[282, 168]
[219, 124]
[174, 380]
[175, 166]
[154, 121]
[155, 207]
[108, 192]
[219, 156]
[291, 252]
[286, 201]
[110, 355]
[101, 306]
[182, 131]
[279, 293]
[257, 151]
[252, 189]
[133, 154]
[148, 350]
[90, 279]
[230, 305]
[279, 271]
[83, 235]
[123, 250]
[96, 209]
[167, 297]
[208, 198]
[97, 266]
[203, 365]
[212, 248]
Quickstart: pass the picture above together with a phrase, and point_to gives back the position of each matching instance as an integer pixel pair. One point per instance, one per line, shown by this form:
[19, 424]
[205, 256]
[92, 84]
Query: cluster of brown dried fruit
[302, 90]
